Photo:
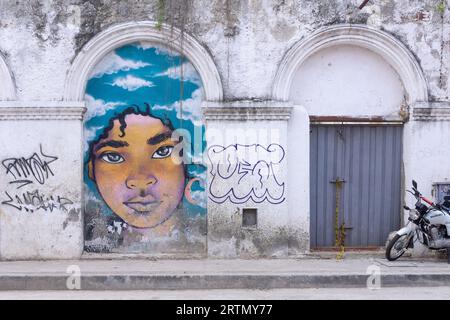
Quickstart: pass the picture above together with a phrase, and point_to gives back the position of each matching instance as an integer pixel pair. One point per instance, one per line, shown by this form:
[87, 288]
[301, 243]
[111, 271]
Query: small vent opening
[249, 218]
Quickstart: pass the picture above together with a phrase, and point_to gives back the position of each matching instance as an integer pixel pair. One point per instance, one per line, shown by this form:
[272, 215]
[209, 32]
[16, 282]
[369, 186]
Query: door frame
[359, 121]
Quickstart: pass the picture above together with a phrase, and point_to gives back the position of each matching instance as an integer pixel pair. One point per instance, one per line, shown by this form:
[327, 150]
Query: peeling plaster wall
[37, 40]
[247, 39]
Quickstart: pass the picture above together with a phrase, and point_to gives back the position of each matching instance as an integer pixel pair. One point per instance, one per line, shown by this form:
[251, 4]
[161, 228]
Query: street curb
[206, 282]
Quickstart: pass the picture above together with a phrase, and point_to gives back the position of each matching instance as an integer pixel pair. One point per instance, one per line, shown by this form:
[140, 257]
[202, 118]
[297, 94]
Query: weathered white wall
[298, 180]
[38, 48]
[256, 163]
[426, 155]
[426, 160]
[247, 40]
[347, 81]
[40, 182]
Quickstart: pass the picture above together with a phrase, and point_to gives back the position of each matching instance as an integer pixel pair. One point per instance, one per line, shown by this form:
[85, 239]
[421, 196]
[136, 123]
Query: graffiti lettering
[34, 201]
[245, 172]
[25, 171]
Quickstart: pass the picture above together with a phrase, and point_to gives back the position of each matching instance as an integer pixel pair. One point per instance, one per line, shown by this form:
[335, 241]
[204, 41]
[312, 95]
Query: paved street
[414, 293]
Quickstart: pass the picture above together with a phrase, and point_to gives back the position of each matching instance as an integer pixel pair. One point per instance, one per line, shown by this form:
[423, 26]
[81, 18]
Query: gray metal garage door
[358, 167]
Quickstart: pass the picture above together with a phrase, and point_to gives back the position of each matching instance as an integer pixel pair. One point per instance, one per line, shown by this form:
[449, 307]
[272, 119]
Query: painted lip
[142, 206]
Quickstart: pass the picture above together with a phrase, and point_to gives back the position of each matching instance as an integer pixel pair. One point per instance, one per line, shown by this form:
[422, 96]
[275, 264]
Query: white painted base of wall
[282, 225]
[41, 175]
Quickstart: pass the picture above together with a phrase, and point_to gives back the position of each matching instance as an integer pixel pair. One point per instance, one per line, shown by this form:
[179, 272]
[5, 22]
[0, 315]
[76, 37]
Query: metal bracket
[337, 181]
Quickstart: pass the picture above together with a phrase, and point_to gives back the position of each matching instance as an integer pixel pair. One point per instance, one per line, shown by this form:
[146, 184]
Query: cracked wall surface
[247, 39]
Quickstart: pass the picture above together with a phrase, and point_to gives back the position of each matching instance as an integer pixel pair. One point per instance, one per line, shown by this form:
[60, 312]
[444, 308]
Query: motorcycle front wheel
[397, 247]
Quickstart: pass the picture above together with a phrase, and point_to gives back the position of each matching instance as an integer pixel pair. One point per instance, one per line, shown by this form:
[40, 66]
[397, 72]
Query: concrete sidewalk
[142, 274]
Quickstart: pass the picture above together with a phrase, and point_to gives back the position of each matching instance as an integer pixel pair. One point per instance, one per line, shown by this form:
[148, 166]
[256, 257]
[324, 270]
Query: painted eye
[112, 157]
[163, 152]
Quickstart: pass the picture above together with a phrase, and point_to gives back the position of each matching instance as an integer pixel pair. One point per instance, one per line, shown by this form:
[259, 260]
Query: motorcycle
[428, 223]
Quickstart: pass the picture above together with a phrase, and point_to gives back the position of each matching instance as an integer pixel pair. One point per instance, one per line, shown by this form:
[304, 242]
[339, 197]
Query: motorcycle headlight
[414, 214]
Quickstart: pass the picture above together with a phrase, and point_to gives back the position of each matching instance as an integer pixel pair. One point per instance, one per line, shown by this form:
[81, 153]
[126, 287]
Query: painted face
[135, 173]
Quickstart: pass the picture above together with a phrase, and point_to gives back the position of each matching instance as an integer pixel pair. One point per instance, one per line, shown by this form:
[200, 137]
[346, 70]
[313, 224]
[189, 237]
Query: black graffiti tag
[25, 171]
[33, 201]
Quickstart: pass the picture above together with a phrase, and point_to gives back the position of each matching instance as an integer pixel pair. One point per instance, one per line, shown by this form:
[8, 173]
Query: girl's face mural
[135, 172]
[142, 194]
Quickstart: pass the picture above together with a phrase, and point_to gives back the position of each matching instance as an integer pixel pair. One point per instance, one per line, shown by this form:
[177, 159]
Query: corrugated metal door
[368, 160]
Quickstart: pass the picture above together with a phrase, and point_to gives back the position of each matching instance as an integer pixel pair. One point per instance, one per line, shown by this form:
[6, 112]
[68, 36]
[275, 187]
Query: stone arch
[7, 88]
[377, 41]
[148, 31]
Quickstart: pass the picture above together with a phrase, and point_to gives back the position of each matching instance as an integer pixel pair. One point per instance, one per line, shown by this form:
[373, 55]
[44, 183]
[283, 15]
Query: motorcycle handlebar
[431, 203]
[419, 197]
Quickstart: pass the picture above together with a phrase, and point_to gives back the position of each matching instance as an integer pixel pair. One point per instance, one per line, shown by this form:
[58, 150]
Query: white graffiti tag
[246, 172]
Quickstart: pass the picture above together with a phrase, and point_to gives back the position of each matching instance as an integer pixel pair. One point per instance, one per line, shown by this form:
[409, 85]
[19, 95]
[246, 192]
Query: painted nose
[140, 183]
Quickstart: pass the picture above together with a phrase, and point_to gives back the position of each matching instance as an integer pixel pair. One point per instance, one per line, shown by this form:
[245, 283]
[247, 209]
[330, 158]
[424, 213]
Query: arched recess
[414, 86]
[148, 31]
[7, 88]
[377, 41]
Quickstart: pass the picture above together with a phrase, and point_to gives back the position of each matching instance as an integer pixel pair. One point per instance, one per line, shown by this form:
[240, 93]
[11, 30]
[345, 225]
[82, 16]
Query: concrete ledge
[220, 274]
[207, 282]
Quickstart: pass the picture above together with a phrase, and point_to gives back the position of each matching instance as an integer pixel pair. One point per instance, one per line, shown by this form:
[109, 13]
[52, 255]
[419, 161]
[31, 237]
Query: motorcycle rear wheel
[397, 247]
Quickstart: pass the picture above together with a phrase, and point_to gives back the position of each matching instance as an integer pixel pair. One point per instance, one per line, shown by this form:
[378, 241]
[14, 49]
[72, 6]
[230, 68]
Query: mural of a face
[141, 193]
[135, 172]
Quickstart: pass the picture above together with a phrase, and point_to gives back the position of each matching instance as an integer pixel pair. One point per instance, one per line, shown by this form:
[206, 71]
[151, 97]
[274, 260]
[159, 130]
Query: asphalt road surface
[411, 293]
